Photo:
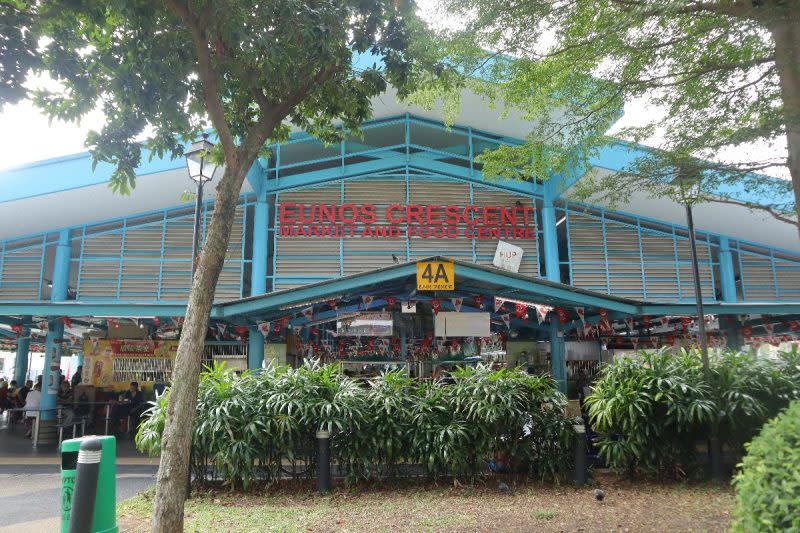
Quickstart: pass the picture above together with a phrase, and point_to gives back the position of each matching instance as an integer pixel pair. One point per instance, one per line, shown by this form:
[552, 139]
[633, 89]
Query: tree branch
[208, 78]
[771, 210]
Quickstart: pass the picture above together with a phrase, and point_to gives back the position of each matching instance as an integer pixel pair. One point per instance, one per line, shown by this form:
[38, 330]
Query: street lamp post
[714, 445]
[201, 170]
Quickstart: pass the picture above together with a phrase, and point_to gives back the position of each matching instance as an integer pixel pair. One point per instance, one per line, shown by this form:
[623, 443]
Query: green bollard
[104, 519]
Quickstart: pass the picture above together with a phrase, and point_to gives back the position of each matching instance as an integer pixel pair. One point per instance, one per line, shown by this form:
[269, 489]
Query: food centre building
[389, 249]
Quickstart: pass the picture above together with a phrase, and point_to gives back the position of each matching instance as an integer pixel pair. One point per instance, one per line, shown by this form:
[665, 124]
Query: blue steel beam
[75, 308]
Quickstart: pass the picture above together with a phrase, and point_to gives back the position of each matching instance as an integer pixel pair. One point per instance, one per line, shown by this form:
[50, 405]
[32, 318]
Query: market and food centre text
[412, 220]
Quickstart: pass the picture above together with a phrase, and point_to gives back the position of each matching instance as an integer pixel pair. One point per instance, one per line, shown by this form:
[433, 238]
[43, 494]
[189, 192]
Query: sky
[26, 135]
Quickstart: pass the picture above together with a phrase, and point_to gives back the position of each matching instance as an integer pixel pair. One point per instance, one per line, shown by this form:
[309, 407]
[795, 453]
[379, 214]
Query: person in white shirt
[32, 401]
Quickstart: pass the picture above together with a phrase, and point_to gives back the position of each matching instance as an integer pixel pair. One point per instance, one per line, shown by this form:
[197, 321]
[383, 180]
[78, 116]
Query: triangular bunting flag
[367, 299]
[308, 312]
[506, 319]
[263, 327]
[580, 311]
[457, 304]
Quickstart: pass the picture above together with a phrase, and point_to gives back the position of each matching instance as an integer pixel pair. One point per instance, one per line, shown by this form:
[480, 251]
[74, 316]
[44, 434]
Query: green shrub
[768, 485]
[249, 426]
[652, 409]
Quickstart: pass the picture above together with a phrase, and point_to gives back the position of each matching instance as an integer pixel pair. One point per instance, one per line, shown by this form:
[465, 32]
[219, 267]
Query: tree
[725, 72]
[248, 69]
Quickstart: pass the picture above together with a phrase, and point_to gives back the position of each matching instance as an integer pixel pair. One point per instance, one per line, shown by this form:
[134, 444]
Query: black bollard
[323, 461]
[86, 476]
[580, 453]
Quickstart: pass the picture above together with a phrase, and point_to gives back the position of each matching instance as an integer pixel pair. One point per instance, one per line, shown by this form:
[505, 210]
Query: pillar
[727, 278]
[258, 278]
[23, 346]
[255, 349]
[731, 327]
[558, 363]
[55, 330]
[552, 263]
[258, 282]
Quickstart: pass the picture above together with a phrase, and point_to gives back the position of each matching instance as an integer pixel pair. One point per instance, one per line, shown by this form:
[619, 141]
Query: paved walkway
[30, 480]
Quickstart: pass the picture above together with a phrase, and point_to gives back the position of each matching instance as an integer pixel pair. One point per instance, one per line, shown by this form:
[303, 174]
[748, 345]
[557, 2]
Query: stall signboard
[373, 324]
[508, 257]
[435, 276]
[116, 362]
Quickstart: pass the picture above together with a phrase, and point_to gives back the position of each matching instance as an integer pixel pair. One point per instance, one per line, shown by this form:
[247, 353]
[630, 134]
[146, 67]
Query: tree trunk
[785, 32]
[177, 438]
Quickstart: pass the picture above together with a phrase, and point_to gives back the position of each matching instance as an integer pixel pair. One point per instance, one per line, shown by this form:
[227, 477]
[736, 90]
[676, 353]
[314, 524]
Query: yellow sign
[435, 276]
[116, 362]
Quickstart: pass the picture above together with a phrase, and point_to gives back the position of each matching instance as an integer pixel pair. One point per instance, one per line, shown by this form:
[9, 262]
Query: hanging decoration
[506, 319]
[581, 315]
[541, 312]
[66, 321]
[367, 300]
[390, 302]
[629, 322]
[521, 311]
[654, 341]
[478, 299]
[646, 321]
[436, 305]
[222, 329]
[664, 320]
[17, 329]
[332, 304]
[563, 316]
[685, 322]
[498, 303]
[296, 330]
[263, 327]
[457, 304]
[241, 330]
[177, 321]
[43, 325]
[308, 312]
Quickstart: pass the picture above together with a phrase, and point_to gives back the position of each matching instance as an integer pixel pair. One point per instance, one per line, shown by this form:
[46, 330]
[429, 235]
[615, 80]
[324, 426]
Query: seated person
[131, 405]
[77, 376]
[3, 395]
[65, 401]
[32, 401]
[18, 397]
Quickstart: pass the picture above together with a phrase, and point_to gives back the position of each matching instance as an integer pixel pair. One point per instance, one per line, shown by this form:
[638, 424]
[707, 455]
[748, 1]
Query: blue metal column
[557, 354]
[21, 362]
[258, 283]
[552, 266]
[55, 330]
[726, 276]
[255, 349]
[552, 263]
[258, 278]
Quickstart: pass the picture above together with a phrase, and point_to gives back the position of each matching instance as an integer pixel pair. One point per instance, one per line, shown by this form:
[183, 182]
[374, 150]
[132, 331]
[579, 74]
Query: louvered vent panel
[20, 275]
[685, 271]
[586, 250]
[788, 274]
[99, 270]
[757, 277]
[485, 248]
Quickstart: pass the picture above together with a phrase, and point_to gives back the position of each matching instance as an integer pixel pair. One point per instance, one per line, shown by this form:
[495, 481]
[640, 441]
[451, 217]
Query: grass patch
[420, 506]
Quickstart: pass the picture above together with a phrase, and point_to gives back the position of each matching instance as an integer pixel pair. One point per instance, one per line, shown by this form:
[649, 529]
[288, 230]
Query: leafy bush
[768, 485]
[250, 426]
[652, 409]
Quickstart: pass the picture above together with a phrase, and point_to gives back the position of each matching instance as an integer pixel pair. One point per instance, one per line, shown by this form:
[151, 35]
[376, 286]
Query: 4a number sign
[435, 276]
